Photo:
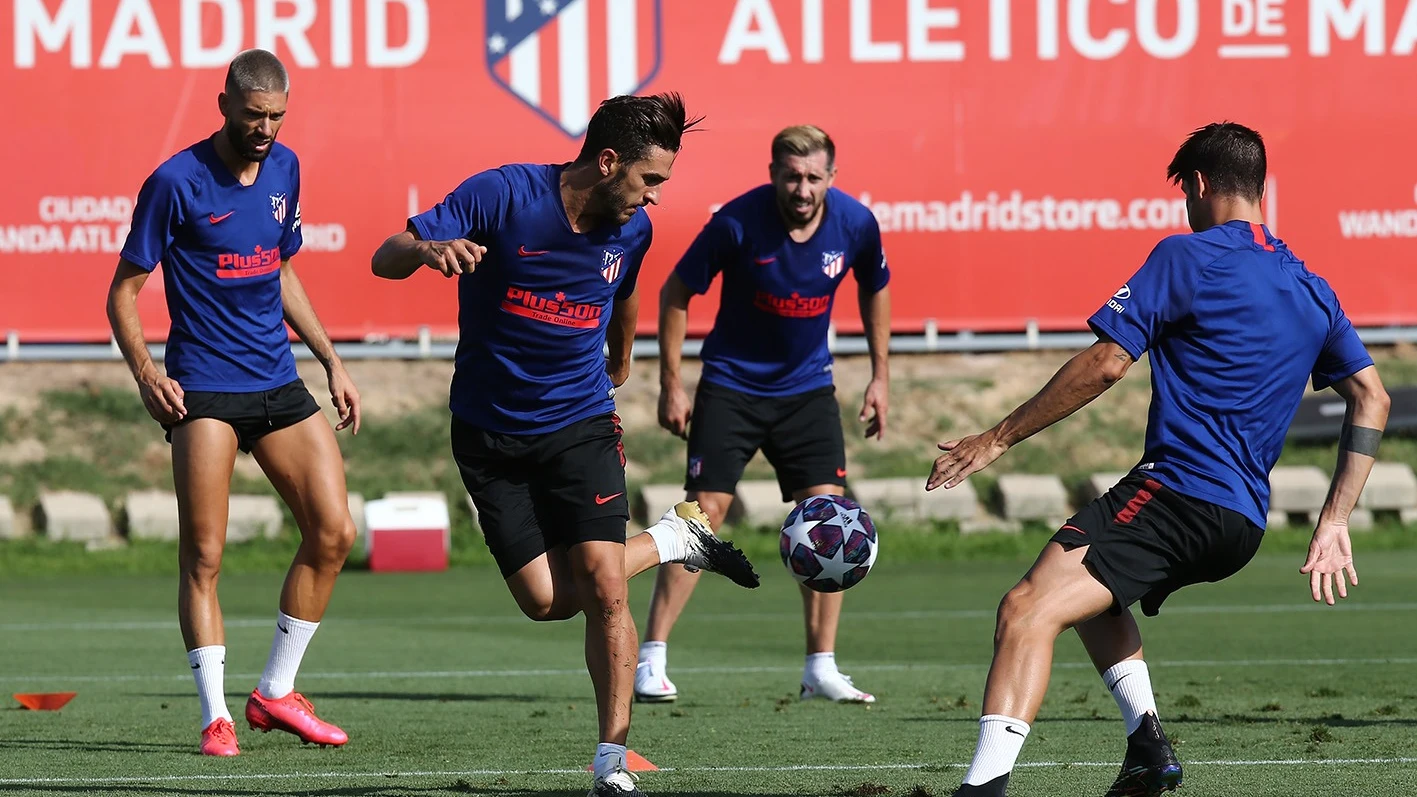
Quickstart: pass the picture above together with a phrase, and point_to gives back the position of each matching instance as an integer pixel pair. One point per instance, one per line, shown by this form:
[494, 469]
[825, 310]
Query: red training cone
[636, 763]
[639, 763]
[45, 701]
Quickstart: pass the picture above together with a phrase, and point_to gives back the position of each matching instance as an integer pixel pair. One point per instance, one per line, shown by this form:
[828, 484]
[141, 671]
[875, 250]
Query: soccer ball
[828, 543]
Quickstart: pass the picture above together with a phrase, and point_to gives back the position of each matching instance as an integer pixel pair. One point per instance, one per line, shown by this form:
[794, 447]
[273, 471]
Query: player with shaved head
[222, 217]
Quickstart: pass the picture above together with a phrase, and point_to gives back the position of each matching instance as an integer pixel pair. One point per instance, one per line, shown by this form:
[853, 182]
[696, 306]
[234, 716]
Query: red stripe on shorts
[1144, 494]
[619, 437]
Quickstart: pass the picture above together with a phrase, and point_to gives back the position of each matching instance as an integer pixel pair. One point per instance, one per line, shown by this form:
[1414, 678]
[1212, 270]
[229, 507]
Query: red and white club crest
[278, 207]
[833, 263]
[612, 264]
[562, 57]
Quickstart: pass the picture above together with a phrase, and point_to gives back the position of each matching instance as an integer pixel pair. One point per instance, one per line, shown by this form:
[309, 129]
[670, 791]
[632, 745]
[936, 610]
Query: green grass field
[446, 690]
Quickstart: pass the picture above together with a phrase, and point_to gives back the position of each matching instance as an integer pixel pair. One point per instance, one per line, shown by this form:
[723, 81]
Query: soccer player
[1235, 325]
[783, 249]
[547, 258]
[223, 218]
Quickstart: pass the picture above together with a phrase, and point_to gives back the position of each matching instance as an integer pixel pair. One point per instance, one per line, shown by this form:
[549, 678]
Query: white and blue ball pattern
[828, 543]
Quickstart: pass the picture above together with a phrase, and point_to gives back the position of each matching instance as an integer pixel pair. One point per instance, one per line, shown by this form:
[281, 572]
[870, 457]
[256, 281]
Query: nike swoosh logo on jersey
[215, 219]
[607, 499]
[524, 252]
[841, 473]
[763, 261]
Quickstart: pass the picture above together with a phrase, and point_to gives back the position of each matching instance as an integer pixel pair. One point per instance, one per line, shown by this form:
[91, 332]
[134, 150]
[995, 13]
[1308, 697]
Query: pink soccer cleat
[292, 714]
[219, 738]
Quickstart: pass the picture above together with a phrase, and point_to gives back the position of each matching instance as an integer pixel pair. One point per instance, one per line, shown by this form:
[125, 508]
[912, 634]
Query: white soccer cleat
[652, 685]
[617, 784]
[836, 688]
[704, 550]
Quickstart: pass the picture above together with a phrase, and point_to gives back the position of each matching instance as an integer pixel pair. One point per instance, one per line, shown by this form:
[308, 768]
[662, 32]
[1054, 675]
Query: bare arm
[300, 314]
[161, 396]
[128, 281]
[675, 409]
[621, 337]
[1363, 426]
[397, 258]
[876, 316]
[1330, 552]
[673, 322]
[1083, 378]
[404, 253]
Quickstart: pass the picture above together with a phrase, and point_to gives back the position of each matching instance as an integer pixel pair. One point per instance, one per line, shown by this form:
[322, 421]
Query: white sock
[1130, 684]
[209, 668]
[1000, 740]
[655, 653]
[667, 541]
[608, 758]
[819, 666]
[292, 637]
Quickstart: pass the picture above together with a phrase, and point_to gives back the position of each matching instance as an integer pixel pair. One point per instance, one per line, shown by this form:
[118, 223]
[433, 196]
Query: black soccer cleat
[1150, 768]
[705, 551]
[994, 788]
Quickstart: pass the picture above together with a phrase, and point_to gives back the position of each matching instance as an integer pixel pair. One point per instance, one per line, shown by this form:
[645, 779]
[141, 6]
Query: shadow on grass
[391, 789]
[409, 697]
[1330, 721]
[161, 788]
[94, 746]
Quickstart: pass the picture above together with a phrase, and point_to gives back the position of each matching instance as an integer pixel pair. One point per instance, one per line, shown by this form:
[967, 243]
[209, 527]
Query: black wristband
[1360, 440]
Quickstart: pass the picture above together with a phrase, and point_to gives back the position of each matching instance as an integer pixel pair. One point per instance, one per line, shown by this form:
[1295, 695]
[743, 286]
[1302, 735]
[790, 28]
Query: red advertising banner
[1013, 150]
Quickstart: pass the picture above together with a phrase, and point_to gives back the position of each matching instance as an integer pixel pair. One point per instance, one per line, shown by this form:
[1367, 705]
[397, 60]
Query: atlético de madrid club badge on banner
[561, 58]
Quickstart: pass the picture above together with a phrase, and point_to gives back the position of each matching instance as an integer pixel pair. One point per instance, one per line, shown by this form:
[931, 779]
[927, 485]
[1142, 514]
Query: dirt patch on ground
[22, 452]
[922, 385]
[933, 398]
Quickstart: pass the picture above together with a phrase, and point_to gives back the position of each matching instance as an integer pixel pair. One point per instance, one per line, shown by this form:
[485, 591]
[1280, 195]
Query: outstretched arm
[1330, 552]
[1082, 379]
[403, 253]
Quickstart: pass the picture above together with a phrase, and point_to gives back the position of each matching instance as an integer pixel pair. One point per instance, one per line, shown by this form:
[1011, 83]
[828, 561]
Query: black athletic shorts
[1145, 541]
[800, 436]
[252, 415]
[539, 491]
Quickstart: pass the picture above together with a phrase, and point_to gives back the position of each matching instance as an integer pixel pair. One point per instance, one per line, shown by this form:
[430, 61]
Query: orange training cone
[45, 701]
[636, 763]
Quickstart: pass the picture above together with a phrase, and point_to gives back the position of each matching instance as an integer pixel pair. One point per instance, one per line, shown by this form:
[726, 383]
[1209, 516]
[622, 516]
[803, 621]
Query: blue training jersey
[221, 244]
[532, 317]
[1236, 325]
[770, 336]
